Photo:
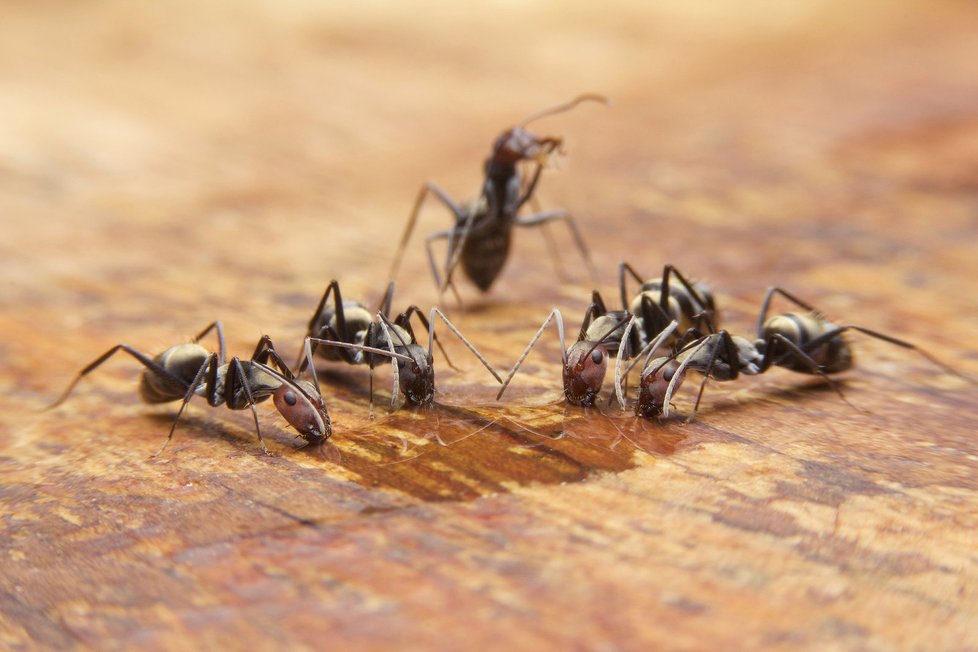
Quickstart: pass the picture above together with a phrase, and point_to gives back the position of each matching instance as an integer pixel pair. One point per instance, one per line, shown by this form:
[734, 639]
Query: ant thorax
[584, 372]
[748, 360]
[184, 361]
[261, 383]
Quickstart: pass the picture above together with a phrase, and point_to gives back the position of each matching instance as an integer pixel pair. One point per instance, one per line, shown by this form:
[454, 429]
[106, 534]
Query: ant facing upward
[480, 238]
[604, 333]
[361, 338]
[805, 342]
[185, 370]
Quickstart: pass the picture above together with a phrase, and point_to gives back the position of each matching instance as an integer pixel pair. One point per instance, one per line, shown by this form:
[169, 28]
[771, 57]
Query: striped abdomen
[183, 361]
[832, 356]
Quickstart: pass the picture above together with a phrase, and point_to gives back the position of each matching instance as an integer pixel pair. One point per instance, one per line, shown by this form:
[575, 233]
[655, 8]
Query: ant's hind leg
[563, 215]
[209, 368]
[146, 361]
[428, 187]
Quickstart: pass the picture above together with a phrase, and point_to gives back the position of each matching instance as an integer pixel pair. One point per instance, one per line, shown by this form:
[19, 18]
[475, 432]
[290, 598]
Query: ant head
[518, 144]
[655, 383]
[303, 407]
[417, 376]
[584, 372]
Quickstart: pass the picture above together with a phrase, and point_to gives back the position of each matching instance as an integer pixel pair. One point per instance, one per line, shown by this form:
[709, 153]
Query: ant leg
[691, 351]
[215, 325]
[146, 361]
[766, 304]
[799, 354]
[654, 317]
[448, 234]
[563, 348]
[622, 268]
[338, 333]
[386, 326]
[433, 188]
[236, 374]
[458, 334]
[385, 302]
[825, 337]
[564, 216]
[648, 350]
[404, 320]
[733, 361]
[209, 368]
[548, 237]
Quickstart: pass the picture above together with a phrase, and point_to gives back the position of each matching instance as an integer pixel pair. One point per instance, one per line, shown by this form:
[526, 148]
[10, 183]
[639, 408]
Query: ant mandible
[185, 370]
[805, 342]
[481, 236]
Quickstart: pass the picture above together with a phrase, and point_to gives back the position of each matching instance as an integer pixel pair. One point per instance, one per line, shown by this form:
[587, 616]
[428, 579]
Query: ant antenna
[566, 106]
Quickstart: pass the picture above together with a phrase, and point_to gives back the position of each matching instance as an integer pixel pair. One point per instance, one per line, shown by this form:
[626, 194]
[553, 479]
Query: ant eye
[668, 374]
[289, 398]
[596, 357]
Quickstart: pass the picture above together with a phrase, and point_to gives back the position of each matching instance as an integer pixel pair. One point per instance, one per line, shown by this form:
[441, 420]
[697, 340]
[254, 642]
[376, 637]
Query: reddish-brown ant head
[417, 376]
[518, 144]
[655, 383]
[303, 407]
[584, 372]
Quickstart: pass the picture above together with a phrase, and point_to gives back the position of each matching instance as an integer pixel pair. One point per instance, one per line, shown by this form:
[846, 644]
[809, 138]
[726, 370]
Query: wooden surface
[162, 167]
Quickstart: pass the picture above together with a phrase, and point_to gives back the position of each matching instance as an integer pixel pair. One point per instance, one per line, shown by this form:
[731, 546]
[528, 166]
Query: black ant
[803, 342]
[604, 333]
[353, 323]
[184, 370]
[413, 364]
[480, 238]
[658, 302]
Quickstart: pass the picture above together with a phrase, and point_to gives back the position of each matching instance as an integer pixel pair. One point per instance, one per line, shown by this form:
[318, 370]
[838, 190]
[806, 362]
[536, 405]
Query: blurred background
[163, 165]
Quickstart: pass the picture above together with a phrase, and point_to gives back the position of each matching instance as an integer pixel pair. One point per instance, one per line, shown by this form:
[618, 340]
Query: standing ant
[480, 238]
[805, 342]
[414, 370]
[184, 370]
[604, 333]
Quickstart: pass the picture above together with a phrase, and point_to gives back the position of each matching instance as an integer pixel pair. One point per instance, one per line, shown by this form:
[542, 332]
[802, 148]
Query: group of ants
[669, 315]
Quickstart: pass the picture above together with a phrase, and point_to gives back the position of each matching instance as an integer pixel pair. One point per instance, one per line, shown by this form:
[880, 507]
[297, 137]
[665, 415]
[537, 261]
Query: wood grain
[162, 167]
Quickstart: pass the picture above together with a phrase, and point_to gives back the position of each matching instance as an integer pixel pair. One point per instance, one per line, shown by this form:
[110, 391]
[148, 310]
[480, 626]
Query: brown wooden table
[165, 166]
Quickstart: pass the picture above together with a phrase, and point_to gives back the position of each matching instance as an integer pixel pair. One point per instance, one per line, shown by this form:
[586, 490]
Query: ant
[414, 370]
[184, 370]
[805, 342]
[352, 323]
[658, 302]
[604, 333]
[480, 238]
